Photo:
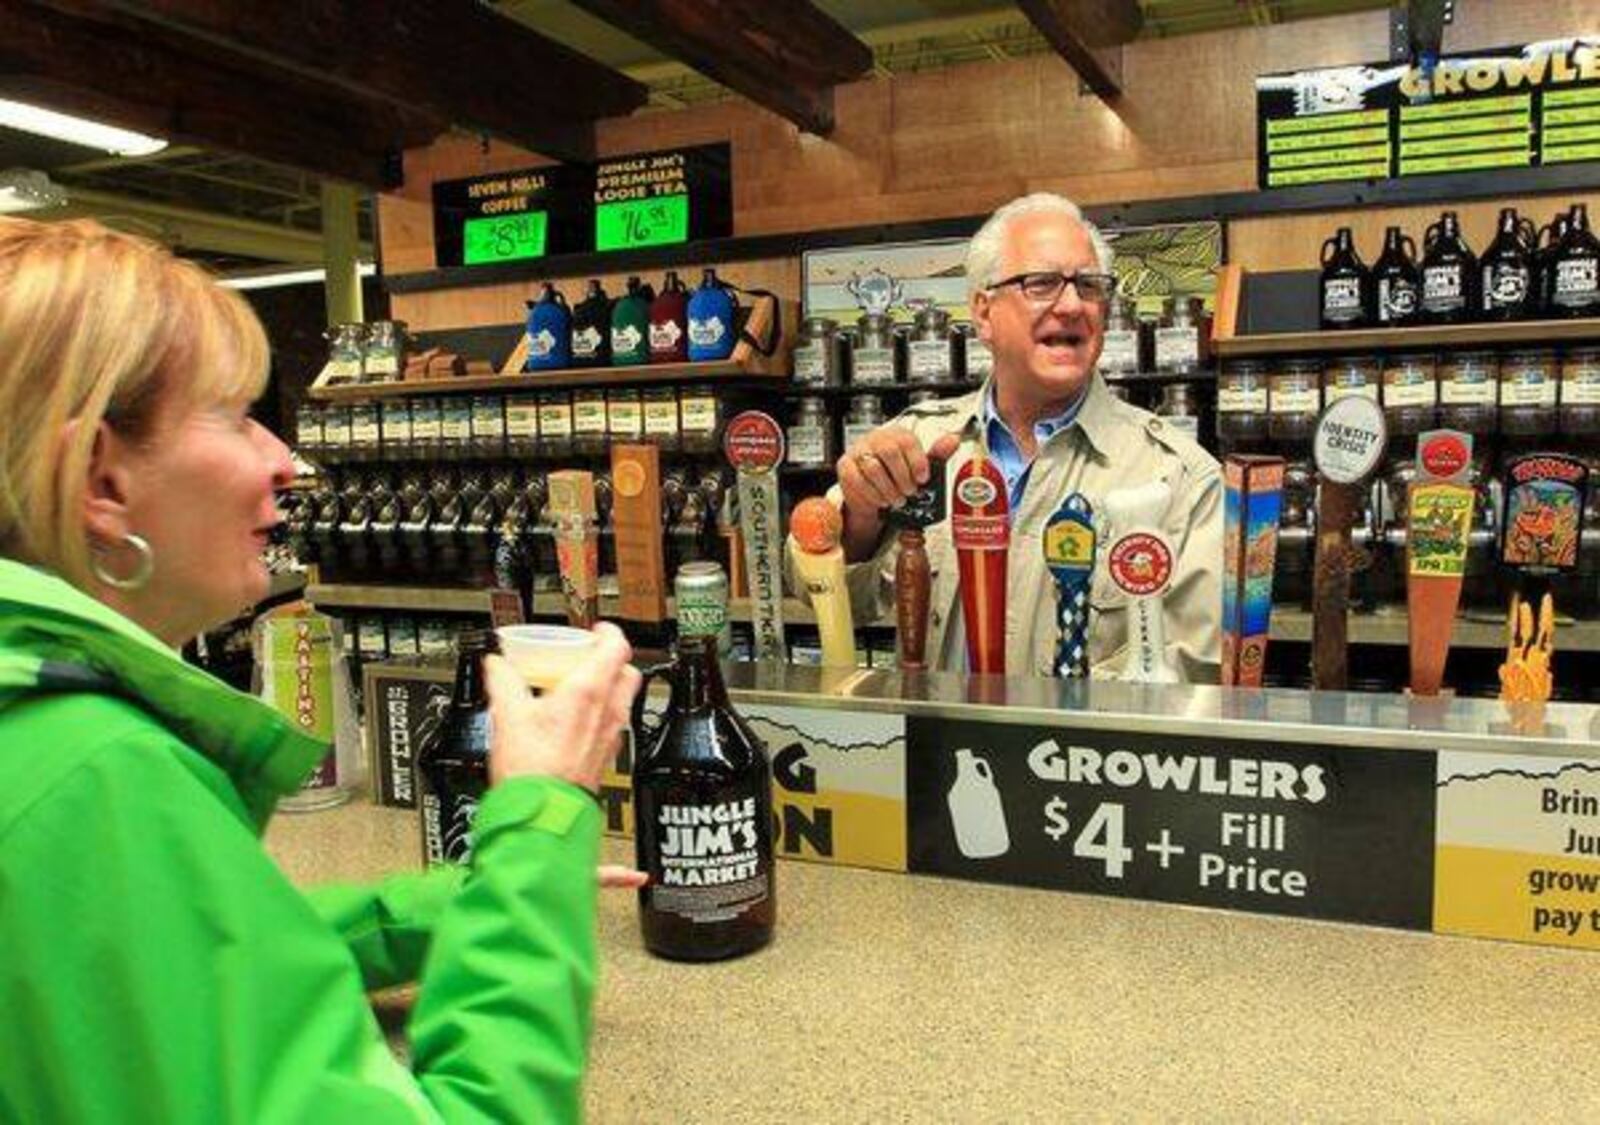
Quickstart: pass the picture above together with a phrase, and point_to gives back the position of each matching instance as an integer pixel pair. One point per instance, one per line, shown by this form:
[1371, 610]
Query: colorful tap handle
[815, 527]
[1540, 537]
[980, 527]
[1438, 528]
[1140, 562]
[1069, 553]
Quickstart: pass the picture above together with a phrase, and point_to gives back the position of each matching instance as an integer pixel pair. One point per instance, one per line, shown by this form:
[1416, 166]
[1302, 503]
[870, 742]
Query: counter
[888, 998]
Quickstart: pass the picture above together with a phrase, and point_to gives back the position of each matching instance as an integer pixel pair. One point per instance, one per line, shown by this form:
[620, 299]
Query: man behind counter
[1040, 278]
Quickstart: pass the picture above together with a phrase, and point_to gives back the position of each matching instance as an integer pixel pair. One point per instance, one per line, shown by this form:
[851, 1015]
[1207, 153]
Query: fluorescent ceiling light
[23, 189]
[77, 130]
[273, 279]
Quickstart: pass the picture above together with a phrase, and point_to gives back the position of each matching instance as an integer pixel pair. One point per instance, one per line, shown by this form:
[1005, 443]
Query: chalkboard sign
[1508, 107]
[631, 202]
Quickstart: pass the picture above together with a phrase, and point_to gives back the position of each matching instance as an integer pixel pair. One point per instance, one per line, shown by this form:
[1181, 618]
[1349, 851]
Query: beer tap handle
[1140, 562]
[1069, 553]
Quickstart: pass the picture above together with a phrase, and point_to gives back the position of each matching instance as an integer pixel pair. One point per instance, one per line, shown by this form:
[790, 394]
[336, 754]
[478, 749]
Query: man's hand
[879, 472]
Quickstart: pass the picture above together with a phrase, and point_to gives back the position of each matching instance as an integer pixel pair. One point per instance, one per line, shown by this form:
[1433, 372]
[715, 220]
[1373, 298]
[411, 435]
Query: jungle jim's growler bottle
[630, 325]
[1506, 292]
[453, 764]
[711, 320]
[549, 332]
[1345, 283]
[669, 322]
[702, 799]
[1547, 246]
[1397, 281]
[1449, 270]
[591, 329]
[1575, 269]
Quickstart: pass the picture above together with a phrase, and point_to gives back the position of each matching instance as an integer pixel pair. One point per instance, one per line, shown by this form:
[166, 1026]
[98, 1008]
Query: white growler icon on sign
[976, 813]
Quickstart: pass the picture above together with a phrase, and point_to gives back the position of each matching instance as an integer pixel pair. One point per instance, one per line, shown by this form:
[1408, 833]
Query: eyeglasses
[1044, 287]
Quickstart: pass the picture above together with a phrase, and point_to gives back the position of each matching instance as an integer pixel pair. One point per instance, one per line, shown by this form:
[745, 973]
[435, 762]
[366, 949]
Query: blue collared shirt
[1005, 451]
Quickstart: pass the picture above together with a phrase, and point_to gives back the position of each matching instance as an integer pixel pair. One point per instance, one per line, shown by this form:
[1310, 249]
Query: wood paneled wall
[962, 140]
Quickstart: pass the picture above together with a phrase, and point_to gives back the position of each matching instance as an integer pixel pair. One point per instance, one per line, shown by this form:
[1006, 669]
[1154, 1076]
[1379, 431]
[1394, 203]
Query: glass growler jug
[1344, 284]
[702, 800]
[1506, 289]
[1397, 281]
[1449, 270]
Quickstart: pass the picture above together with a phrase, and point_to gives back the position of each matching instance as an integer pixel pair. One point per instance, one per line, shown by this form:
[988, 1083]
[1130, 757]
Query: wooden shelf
[1532, 333]
[746, 362]
[639, 376]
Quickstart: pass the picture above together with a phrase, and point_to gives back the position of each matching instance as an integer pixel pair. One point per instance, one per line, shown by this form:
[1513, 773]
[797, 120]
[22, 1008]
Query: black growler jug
[1505, 291]
[453, 761]
[1449, 271]
[1575, 269]
[702, 800]
[591, 329]
[1345, 284]
[1546, 248]
[1397, 281]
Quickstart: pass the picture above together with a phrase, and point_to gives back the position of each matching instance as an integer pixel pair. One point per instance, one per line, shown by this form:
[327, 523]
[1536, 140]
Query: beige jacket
[1109, 445]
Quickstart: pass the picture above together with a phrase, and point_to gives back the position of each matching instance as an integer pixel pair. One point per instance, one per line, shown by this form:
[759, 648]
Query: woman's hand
[572, 731]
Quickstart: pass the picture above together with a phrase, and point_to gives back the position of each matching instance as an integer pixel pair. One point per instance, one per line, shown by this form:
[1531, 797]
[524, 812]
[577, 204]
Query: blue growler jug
[711, 326]
[549, 332]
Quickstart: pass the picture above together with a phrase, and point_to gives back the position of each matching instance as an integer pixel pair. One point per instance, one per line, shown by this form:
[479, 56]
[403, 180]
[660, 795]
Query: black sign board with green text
[1509, 107]
[627, 202]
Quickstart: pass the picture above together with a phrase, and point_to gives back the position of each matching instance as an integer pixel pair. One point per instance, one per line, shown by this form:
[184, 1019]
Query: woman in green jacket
[155, 966]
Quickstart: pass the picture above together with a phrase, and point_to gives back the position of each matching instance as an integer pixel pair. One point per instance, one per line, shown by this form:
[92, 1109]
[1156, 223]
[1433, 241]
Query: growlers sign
[1509, 107]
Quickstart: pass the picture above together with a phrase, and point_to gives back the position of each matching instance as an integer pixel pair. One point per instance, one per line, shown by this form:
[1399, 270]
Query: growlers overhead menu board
[1509, 107]
[623, 203]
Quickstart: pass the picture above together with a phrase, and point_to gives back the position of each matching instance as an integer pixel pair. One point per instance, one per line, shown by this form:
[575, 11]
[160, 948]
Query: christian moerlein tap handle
[1069, 553]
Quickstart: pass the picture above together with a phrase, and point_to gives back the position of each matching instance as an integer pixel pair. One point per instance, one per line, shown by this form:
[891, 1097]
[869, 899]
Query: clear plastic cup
[544, 654]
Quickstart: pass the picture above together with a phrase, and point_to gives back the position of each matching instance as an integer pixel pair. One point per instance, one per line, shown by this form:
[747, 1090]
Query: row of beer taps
[481, 527]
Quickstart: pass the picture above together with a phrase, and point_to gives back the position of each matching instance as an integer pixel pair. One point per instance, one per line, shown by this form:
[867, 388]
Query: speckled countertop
[898, 998]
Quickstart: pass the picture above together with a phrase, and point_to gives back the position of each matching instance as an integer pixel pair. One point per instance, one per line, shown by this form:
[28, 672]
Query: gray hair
[986, 247]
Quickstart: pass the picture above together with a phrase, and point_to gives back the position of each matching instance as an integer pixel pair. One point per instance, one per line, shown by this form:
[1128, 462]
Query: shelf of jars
[1530, 333]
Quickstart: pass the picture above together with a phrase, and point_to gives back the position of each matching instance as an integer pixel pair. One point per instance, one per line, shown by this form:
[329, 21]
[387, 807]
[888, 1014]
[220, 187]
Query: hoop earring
[142, 570]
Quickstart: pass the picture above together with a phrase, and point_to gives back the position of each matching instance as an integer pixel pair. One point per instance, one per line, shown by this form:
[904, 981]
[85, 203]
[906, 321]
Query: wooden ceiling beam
[455, 60]
[85, 66]
[1088, 34]
[786, 57]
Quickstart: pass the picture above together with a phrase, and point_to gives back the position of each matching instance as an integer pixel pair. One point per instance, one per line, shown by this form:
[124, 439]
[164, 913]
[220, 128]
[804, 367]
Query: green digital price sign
[504, 238]
[631, 223]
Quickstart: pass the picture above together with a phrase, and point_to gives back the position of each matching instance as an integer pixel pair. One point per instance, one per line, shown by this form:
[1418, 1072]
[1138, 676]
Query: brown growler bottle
[1345, 284]
[1546, 246]
[1397, 281]
[702, 800]
[1449, 273]
[1506, 288]
[453, 763]
[1575, 269]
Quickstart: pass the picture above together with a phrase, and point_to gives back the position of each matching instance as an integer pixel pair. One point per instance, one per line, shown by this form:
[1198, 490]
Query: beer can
[701, 590]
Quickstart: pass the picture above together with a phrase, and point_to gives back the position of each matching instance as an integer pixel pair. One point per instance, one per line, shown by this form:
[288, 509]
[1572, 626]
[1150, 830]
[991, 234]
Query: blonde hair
[99, 326]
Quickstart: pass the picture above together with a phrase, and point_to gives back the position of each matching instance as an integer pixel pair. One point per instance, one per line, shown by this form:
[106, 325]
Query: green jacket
[156, 966]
